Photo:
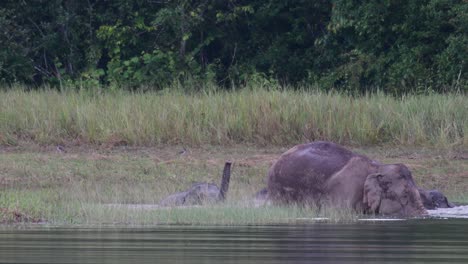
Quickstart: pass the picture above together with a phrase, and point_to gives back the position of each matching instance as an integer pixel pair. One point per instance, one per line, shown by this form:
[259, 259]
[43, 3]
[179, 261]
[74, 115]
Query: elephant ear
[372, 193]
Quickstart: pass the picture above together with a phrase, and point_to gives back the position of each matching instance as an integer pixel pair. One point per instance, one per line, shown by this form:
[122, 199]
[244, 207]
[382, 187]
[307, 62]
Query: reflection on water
[422, 241]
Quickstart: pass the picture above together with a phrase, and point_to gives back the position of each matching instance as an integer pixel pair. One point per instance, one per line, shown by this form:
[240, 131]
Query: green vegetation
[347, 45]
[85, 184]
[125, 85]
[123, 148]
[256, 116]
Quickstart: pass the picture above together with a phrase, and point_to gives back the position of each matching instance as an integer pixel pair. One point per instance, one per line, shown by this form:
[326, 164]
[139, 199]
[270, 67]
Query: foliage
[395, 46]
[398, 45]
[254, 115]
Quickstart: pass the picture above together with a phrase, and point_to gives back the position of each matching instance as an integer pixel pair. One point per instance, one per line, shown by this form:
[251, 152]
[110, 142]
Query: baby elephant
[433, 199]
[201, 193]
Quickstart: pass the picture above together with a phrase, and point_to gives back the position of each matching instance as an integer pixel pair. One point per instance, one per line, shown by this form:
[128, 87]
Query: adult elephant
[325, 173]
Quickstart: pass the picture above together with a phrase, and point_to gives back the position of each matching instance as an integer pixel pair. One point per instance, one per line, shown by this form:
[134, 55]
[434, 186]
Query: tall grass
[247, 116]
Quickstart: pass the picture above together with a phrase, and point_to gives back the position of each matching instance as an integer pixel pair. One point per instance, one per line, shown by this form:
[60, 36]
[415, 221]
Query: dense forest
[392, 45]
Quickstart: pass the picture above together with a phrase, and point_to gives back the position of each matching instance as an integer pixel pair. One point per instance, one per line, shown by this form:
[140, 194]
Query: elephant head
[392, 191]
[433, 199]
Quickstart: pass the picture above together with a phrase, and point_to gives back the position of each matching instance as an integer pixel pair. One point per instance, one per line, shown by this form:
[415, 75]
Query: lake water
[413, 241]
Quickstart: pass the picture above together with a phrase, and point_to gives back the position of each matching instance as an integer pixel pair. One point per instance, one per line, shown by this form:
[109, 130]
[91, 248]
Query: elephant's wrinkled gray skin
[201, 193]
[324, 173]
[433, 199]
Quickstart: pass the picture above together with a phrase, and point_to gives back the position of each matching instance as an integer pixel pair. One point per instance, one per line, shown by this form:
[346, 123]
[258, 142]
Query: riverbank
[75, 184]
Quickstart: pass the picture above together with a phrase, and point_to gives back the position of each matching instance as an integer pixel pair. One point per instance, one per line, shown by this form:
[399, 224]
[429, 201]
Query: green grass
[123, 148]
[77, 187]
[59, 208]
[253, 116]
[226, 214]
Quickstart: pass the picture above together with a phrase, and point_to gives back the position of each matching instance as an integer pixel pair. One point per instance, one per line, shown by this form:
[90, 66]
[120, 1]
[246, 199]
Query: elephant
[326, 174]
[433, 199]
[201, 193]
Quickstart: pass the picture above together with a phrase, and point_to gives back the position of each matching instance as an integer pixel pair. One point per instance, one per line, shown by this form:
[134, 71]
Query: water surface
[414, 241]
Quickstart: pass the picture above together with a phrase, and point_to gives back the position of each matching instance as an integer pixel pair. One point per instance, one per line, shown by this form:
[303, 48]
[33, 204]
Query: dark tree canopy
[392, 45]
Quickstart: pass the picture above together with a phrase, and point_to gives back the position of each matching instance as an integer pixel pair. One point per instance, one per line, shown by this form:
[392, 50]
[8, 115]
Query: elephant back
[302, 170]
[324, 158]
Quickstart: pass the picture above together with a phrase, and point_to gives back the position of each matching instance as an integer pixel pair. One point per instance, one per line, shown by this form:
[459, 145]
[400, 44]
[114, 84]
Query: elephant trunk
[223, 188]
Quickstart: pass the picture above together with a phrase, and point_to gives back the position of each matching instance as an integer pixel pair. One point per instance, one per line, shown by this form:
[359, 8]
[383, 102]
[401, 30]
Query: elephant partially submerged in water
[201, 193]
[325, 173]
[433, 199]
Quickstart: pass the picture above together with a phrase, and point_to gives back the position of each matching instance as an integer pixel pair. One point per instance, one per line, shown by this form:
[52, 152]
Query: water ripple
[412, 241]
